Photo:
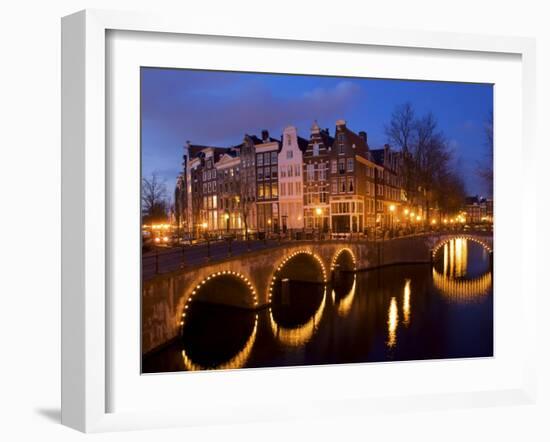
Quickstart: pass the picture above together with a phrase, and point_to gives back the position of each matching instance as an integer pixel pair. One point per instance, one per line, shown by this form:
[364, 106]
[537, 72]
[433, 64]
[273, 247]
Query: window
[310, 172]
[260, 159]
[273, 172]
[267, 191]
[297, 169]
[267, 158]
[288, 141]
[290, 170]
[334, 185]
[260, 174]
[274, 157]
[342, 166]
[342, 185]
[351, 185]
[289, 154]
[213, 186]
[283, 189]
[274, 190]
[350, 164]
[333, 166]
[316, 150]
[282, 172]
[260, 191]
[214, 173]
[266, 172]
[322, 175]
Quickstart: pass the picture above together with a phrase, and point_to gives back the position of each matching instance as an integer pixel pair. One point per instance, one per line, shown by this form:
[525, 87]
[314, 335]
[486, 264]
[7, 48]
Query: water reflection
[463, 290]
[407, 302]
[237, 361]
[393, 321]
[298, 335]
[455, 281]
[455, 258]
[344, 303]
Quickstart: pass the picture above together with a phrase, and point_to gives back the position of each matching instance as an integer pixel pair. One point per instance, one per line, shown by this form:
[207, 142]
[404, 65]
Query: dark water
[396, 313]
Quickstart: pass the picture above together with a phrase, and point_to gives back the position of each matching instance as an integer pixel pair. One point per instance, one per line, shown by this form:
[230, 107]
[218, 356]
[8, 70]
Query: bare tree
[154, 197]
[426, 158]
[400, 133]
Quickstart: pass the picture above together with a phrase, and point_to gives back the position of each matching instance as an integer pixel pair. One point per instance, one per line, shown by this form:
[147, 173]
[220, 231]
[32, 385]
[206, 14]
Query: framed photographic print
[264, 223]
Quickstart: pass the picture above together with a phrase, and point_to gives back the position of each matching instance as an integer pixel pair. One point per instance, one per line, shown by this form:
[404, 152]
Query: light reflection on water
[395, 313]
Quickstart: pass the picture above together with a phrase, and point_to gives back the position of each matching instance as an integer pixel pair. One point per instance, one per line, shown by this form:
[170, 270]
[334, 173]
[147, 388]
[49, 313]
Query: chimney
[265, 136]
[341, 123]
[363, 136]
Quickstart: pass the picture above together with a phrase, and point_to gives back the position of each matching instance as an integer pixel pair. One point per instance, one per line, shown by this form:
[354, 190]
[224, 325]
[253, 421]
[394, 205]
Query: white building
[291, 197]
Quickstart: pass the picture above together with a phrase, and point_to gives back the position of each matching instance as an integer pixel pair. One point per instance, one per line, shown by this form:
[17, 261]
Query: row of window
[265, 173]
[268, 191]
[266, 158]
[209, 187]
[290, 189]
[342, 185]
[290, 170]
[210, 202]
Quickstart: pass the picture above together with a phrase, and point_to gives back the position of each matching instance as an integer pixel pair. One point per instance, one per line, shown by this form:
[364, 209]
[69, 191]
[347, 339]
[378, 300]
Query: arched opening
[344, 260]
[218, 323]
[462, 257]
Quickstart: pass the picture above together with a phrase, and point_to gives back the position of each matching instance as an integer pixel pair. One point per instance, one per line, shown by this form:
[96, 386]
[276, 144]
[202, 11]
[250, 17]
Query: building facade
[291, 196]
[267, 184]
[229, 190]
[316, 159]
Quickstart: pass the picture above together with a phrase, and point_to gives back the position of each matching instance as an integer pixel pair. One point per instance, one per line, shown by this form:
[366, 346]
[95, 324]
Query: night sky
[218, 108]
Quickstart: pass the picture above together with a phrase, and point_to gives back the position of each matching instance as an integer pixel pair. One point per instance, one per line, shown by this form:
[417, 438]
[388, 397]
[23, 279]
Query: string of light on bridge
[337, 255]
[216, 275]
[288, 258]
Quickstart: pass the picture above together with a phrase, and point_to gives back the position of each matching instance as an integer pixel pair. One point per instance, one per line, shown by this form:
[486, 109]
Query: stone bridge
[247, 281]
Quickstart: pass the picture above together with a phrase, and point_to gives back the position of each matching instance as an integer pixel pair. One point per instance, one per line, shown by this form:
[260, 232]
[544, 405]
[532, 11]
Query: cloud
[203, 116]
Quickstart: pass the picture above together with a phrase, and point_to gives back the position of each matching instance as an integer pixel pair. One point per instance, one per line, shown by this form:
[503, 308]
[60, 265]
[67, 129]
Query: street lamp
[392, 209]
[319, 212]
[226, 216]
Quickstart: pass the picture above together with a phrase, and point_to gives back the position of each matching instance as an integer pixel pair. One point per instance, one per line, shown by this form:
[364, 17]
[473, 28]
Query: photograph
[302, 220]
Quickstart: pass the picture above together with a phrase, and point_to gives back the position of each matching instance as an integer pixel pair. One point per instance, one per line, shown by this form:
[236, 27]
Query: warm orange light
[418, 218]
[204, 225]
[392, 208]
[318, 211]
[406, 211]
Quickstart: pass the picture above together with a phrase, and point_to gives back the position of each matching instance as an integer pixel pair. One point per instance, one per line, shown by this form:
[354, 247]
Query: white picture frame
[85, 202]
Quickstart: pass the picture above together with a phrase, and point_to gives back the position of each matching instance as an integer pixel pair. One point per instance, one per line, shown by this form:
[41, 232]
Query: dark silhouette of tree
[426, 160]
[154, 202]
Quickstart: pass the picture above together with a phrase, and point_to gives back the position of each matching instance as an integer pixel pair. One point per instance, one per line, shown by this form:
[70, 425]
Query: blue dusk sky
[218, 108]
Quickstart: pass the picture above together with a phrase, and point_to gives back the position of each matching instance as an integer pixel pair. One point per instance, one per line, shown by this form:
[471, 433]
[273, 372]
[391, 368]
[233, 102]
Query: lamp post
[319, 212]
[392, 210]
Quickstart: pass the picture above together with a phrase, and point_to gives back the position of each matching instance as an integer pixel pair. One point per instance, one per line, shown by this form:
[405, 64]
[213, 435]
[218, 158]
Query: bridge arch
[344, 252]
[280, 266]
[442, 241]
[217, 276]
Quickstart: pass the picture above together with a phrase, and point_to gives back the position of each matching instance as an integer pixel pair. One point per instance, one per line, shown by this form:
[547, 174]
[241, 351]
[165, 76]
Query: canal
[397, 313]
